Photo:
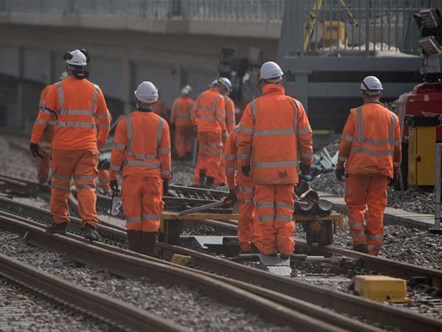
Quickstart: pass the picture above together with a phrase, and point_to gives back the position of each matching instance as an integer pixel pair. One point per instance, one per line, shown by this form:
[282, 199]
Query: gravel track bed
[180, 304]
[20, 311]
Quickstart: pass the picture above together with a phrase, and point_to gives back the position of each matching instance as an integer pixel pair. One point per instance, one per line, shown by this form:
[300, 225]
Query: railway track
[291, 290]
[129, 264]
[180, 197]
[121, 316]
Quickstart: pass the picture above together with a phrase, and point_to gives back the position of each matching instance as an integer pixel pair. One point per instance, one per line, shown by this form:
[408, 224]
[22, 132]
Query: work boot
[361, 248]
[209, 182]
[148, 243]
[202, 180]
[90, 233]
[57, 228]
[135, 240]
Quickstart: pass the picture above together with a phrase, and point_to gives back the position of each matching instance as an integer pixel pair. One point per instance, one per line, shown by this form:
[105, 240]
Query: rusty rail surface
[345, 303]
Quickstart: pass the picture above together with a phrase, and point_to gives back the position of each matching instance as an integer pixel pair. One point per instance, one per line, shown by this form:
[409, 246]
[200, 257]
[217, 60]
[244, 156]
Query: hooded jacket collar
[273, 89]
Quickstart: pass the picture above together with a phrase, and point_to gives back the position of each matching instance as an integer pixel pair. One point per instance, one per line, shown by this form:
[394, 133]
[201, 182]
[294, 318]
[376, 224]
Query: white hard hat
[270, 71]
[187, 90]
[213, 83]
[371, 83]
[146, 92]
[225, 82]
[75, 58]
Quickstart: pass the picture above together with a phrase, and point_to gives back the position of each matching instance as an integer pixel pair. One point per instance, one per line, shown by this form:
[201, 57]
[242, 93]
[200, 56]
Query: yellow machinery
[421, 151]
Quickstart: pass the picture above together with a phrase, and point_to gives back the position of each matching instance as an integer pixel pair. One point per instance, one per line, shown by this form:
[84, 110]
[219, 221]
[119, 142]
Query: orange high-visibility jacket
[208, 112]
[79, 107]
[181, 111]
[233, 174]
[273, 128]
[48, 132]
[141, 146]
[230, 113]
[371, 141]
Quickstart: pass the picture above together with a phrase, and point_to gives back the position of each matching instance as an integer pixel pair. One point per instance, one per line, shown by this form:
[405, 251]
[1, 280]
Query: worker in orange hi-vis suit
[370, 154]
[80, 109]
[160, 108]
[208, 116]
[142, 149]
[230, 124]
[43, 163]
[273, 128]
[181, 118]
[241, 188]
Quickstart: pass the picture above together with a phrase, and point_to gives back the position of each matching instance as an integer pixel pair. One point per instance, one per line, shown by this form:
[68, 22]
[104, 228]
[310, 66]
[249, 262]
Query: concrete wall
[120, 60]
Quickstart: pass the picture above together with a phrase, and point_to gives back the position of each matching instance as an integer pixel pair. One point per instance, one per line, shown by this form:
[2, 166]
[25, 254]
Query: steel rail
[122, 315]
[388, 266]
[297, 305]
[25, 187]
[349, 304]
[124, 263]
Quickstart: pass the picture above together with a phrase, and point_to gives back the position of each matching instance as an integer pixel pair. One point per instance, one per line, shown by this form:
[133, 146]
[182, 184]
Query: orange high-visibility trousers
[362, 192]
[221, 178]
[82, 165]
[142, 199]
[248, 225]
[184, 137]
[104, 179]
[43, 164]
[209, 153]
[274, 209]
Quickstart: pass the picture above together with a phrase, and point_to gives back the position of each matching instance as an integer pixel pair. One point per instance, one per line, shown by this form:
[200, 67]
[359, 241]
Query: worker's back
[275, 142]
[374, 131]
[78, 104]
[146, 136]
[209, 111]
[181, 111]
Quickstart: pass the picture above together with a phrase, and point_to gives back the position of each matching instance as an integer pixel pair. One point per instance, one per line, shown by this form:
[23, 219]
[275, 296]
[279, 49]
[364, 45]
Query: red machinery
[424, 101]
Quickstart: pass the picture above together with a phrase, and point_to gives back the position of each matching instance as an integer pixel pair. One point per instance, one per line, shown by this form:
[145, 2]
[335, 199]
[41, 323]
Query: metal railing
[247, 10]
[361, 26]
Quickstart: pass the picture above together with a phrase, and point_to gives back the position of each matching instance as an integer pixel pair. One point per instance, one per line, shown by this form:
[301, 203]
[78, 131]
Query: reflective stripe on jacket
[370, 142]
[272, 130]
[142, 146]
[80, 110]
[208, 112]
[181, 111]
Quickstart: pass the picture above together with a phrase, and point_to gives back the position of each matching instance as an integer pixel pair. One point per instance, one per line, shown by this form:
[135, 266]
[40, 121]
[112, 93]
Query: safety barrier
[250, 10]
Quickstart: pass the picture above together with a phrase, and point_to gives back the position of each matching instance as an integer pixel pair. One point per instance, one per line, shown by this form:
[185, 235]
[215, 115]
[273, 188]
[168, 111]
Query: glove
[340, 172]
[231, 198]
[114, 186]
[394, 180]
[100, 144]
[165, 187]
[305, 169]
[245, 170]
[35, 150]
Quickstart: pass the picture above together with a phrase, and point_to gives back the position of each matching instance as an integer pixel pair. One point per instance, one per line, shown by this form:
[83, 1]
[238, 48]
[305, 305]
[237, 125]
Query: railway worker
[369, 154]
[273, 129]
[181, 119]
[43, 162]
[241, 188]
[230, 124]
[208, 117]
[142, 149]
[80, 110]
